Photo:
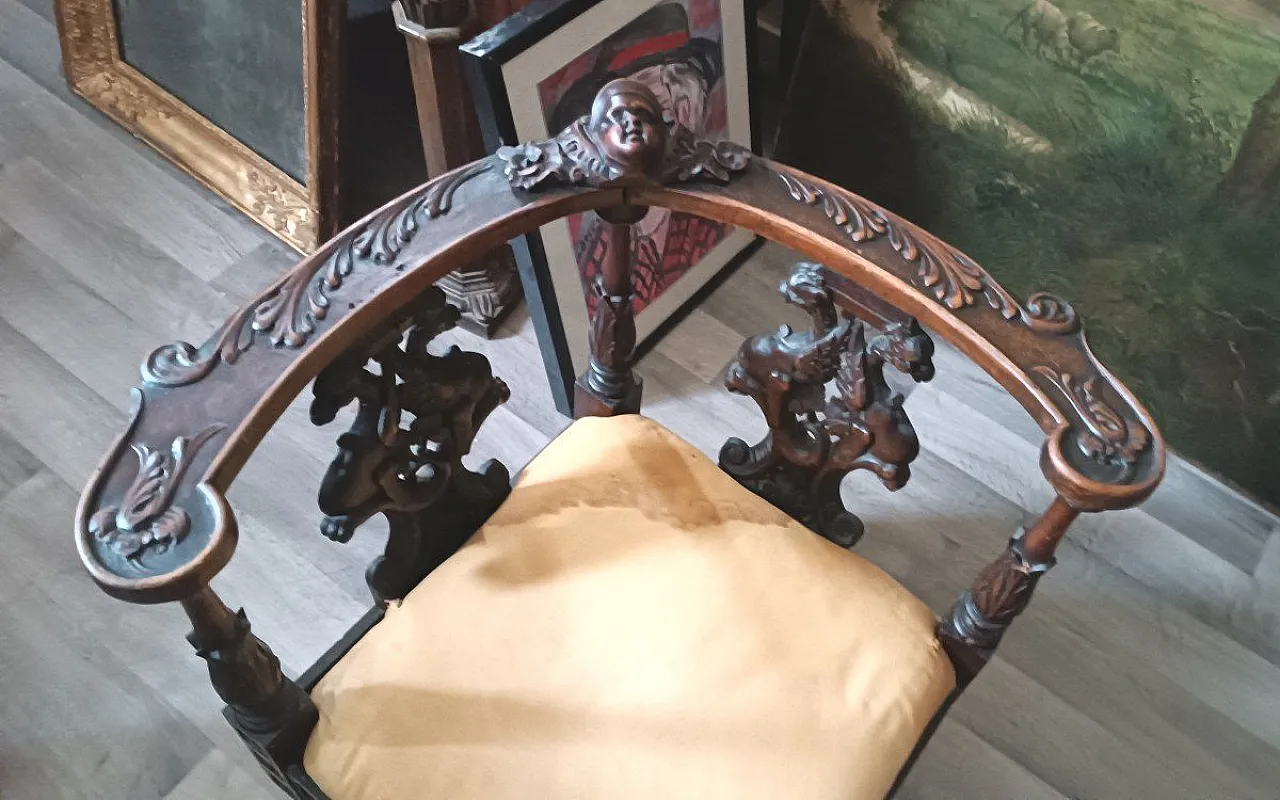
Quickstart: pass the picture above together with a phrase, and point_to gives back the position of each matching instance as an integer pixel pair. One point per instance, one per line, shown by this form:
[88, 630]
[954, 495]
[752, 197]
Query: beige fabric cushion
[631, 623]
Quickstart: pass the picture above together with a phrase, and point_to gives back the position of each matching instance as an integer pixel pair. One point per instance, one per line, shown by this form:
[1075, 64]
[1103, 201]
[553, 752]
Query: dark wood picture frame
[484, 59]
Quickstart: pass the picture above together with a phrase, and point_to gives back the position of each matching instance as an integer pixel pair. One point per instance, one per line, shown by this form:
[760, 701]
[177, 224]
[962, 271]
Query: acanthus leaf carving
[1103, 435]
[1002, 591]
[289, 313]
[941, 271]
[146, 518]
[626, 137]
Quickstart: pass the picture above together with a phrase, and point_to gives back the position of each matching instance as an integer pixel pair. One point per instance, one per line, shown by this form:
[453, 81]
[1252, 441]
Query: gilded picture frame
[302, 214]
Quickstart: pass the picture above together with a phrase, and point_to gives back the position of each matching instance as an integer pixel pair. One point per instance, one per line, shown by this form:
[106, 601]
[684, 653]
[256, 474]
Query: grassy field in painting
[1116, 209]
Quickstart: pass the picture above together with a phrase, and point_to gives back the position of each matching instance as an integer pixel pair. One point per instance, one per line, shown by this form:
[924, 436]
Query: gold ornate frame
[301, 215]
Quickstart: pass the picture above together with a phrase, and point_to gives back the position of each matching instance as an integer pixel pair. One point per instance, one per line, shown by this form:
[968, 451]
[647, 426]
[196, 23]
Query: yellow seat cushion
[632, 623]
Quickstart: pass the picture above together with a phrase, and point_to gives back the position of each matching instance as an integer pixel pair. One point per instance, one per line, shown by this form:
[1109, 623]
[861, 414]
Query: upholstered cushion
[632, 623]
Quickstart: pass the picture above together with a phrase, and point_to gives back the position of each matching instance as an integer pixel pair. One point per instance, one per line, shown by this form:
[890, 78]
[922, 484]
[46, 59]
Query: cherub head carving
[628, 127]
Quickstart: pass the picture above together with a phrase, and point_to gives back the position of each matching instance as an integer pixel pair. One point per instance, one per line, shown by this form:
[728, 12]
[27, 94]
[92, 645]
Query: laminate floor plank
[217, 777]
[107, 256]
[54, 672]
[17, 464]
[63, 317]
[958, 763]
[50, 413]
[702, 345]
[174, 217]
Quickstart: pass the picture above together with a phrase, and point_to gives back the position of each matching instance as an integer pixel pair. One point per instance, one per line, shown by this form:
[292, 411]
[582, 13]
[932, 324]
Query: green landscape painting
[1124, 154]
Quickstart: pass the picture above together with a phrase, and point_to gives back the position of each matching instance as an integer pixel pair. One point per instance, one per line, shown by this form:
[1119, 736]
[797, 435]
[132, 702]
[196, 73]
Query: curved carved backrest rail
[153, 525]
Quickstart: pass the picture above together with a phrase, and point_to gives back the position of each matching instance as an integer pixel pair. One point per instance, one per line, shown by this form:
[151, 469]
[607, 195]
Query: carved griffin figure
[813, 441]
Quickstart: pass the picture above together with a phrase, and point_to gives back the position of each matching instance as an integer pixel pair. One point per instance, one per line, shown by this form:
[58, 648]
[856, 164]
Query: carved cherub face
[626, 120]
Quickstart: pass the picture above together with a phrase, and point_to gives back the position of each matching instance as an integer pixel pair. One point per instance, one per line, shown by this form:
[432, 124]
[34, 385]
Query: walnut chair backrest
[154, 526]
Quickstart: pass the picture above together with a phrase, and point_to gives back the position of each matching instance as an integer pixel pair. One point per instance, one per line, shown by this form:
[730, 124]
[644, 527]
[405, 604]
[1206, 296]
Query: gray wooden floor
[1148, 666]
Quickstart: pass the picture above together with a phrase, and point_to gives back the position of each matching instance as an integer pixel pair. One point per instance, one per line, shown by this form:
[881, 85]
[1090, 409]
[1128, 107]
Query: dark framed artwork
[240, 94]
[538, 71]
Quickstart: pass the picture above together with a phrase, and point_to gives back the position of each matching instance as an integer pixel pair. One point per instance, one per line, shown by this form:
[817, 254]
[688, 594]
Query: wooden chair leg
[981, 615]
[271, 713]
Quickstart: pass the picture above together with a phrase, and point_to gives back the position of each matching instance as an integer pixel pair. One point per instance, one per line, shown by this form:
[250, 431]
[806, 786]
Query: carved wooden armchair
[629, 619]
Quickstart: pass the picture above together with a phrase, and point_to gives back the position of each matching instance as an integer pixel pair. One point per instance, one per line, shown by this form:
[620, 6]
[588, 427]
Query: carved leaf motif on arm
[146, 518]
[1002, 591]
[288, 313]
[1103, 436]
[943, 272]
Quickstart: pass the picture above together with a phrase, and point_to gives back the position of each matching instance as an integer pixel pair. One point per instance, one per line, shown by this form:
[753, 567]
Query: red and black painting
[676, 49]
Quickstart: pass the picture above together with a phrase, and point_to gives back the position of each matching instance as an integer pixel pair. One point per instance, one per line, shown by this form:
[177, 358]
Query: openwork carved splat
[417, 415]
[625, 138]
[290, 312]
[146, 519]
[813, 440]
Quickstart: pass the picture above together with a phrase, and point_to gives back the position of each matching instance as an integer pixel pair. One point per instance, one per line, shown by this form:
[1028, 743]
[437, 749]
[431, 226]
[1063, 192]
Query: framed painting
[538, 71]
[1125, 155]
[240, 94]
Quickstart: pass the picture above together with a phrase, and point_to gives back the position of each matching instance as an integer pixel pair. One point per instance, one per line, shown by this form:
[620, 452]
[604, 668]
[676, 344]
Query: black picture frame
[484, 58]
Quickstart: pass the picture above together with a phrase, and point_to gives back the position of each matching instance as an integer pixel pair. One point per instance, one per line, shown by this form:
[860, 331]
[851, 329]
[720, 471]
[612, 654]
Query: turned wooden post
[488, 289]
[272, 714]
[978, 620]
[609, 387]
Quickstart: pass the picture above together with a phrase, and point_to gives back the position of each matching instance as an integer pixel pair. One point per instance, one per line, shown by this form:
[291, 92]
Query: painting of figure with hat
[675, 48]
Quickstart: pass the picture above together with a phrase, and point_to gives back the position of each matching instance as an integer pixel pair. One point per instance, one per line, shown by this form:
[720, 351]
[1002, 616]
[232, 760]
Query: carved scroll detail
[1103, 436]
[1048, 313]
[146, 518]
[982, 614]
[289, 312]
[814, 441]
[626, 137]
[410, 471]
[945, 273]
